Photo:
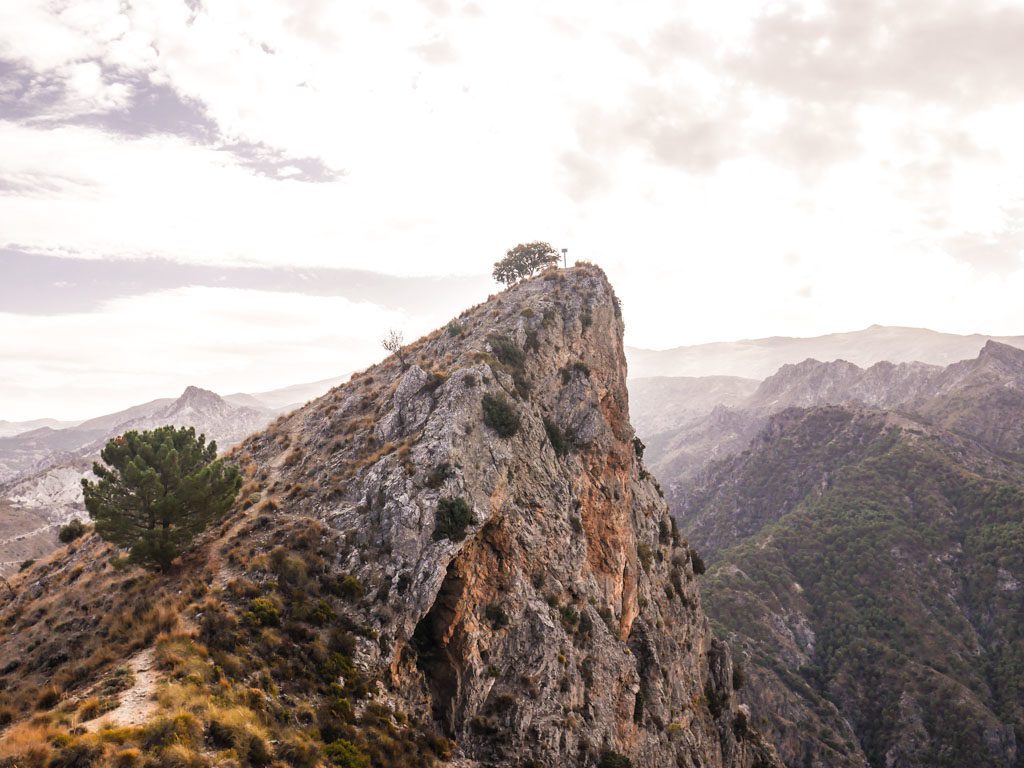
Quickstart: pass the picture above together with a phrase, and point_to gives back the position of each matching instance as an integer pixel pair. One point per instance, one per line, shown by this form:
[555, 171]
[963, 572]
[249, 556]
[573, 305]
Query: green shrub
[455, 328]
[644, 555]
[26, 564]
[500, 416]
[346, 755]
[612, 759]
[263, 612]
[496, 615]
[350, 588]
[639, 447]
[506, 351]
[439, 474]
[698, 562]
[71, 531]
[76, 754]
[453, 516]
[556, 437]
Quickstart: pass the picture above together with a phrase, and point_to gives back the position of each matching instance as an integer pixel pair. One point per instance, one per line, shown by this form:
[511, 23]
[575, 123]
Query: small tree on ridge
[524, 260]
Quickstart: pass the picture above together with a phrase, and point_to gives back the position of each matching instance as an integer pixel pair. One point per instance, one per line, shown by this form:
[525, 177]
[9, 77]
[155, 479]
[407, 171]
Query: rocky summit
[457, 557]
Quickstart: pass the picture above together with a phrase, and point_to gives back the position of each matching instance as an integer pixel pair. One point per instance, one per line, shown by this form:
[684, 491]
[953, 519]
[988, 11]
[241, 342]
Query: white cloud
[741, 169]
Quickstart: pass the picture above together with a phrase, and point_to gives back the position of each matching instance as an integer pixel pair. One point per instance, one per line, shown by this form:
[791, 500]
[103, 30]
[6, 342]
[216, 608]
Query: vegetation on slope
[893, 592]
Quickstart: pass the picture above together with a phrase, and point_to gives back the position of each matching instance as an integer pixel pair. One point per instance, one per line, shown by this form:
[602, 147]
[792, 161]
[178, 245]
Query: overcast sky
[245, 194]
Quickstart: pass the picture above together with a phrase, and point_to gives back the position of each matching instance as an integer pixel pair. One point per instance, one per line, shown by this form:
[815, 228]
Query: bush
[346, 755]
[506, 351]
[556, 437]
[453, 516]
[439, 474]
[698, 562]
[739, 676]
[612, 759]
[71, 531]
[500, 416]
[496, 615]
[76, 754]
[350, 588]
[262, 611]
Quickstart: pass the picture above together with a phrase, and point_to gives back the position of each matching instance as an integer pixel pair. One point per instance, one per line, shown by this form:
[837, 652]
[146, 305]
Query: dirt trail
[138, 702]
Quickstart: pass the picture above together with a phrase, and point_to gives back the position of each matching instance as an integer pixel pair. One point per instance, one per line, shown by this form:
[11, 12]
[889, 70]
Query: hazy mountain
[344, 608]
[870, 564]
[12, 428]
[34, 451]
[660, 403]
[286, 398]
[759, 358]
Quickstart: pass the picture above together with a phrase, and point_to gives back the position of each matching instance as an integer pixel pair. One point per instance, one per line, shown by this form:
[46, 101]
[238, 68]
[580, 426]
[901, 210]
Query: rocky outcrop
[566, 623]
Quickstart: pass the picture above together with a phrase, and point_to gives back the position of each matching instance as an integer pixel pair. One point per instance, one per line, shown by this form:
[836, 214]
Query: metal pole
[565, 261]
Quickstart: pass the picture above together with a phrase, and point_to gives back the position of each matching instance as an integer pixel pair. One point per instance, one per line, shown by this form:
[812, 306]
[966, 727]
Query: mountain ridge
[760, 358]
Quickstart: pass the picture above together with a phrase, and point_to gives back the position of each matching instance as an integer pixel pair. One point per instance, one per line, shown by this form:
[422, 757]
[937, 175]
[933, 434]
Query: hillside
[455, 557]
[870, 565]
[759, 358]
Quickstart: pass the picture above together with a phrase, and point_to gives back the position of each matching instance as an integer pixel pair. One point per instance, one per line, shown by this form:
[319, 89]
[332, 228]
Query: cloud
[87, 285]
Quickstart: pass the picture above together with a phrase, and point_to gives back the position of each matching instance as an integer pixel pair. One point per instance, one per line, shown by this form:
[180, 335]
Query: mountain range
[760, 358]
[865, 531]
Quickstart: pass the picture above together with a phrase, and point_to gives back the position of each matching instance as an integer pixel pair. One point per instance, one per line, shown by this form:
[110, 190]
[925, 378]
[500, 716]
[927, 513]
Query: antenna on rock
[564, 261]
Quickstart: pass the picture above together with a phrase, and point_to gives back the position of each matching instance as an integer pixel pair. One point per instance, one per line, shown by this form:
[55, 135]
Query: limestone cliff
[478, 527]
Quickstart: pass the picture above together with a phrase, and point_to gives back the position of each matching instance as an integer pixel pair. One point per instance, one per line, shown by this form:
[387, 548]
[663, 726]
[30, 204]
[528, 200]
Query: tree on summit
[524, 260]
[157, 490]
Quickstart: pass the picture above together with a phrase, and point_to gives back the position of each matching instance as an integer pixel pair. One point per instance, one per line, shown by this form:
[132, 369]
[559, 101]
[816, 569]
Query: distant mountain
[287, 398]
[35, 450]
[869, 564]
[12, 428]
[759, 358]
[663, 402]
[45, 492]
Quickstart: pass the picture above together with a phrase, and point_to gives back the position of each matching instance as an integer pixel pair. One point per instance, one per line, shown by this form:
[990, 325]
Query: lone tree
[158, 490]
[524, 260]
[393, 343]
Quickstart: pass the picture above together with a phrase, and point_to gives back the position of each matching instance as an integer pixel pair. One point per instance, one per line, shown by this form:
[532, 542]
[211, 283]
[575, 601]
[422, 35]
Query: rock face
[508, 569]
[567, 622]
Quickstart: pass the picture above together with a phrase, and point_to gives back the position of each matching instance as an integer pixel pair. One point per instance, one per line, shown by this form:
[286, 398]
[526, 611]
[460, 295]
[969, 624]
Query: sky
[244, 195]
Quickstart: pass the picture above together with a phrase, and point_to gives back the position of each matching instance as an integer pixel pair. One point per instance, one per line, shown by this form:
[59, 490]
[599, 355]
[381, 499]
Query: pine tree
[158, 490]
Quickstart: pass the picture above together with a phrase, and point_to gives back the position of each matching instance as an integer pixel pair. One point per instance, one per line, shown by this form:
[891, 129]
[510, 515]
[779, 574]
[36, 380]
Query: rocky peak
[813, 383]
[539, 608]
[1009, 360]
[196, 398]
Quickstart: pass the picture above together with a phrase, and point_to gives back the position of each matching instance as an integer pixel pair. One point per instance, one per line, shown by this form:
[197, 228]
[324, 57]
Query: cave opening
[433, 642]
